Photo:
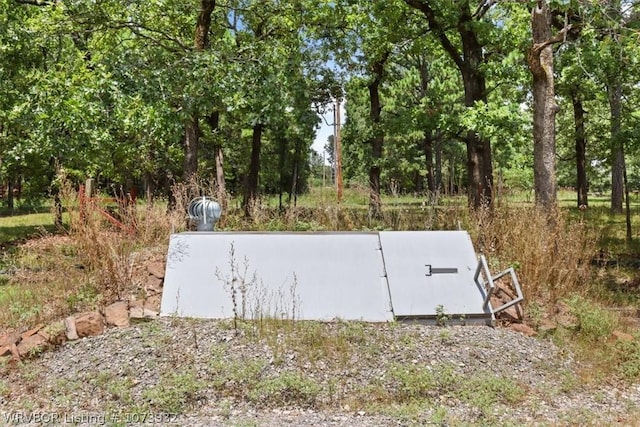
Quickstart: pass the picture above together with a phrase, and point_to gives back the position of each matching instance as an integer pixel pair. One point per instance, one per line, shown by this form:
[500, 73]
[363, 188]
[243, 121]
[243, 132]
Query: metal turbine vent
[205, 212]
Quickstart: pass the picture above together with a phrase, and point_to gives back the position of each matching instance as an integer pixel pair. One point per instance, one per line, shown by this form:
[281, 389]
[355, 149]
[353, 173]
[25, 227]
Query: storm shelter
[368, 276]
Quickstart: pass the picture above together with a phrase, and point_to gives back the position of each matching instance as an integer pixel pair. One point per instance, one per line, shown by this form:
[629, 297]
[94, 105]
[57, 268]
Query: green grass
[175, 392]
[16, 228]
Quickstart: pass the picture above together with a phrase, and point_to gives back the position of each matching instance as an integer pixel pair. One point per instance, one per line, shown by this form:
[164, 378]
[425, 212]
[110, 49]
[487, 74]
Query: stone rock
[9, 338]
[32, 331]
[622, 336]
[70, 328]
[523, 329]
[55, 332]
[137, 313]
[511, 314]
[156, 269]
[153, 302]
[5, 350]
[136, 303]
[10, 349]
[503, 295]
[32, 344]
[547, 325]
[564, 317]
[153, 286]
[89, 324]
[117, 314]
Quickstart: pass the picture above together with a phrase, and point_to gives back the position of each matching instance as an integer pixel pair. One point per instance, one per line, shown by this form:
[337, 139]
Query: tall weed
[109, 235]
[550, 252]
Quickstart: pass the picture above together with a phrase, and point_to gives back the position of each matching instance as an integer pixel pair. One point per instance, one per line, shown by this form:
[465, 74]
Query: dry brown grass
[90, 264]
[46, 283]
[550, 252]
[95, 264]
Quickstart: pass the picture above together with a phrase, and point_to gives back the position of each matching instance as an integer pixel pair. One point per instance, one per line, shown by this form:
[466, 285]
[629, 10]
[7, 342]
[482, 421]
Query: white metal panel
[408, 257]
[337, 275]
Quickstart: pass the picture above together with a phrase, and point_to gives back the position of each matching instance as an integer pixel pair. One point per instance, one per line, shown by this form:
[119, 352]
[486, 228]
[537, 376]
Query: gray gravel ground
[206, 373]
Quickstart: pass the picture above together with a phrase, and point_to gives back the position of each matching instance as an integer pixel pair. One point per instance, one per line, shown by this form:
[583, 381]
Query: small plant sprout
[463, 319]
[237, 285]
[441, 315]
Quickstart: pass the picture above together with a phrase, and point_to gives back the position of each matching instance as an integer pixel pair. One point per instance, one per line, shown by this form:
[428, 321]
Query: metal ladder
[487, 286]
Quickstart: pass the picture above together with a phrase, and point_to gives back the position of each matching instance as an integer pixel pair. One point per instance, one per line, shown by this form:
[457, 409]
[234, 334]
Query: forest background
[477, 98]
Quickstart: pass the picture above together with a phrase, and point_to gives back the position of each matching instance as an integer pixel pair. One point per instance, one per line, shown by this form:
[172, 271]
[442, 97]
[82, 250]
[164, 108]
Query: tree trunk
[221, 188]
[203, 24]
[54, 164]
[469, 61]
[438, 171]
[148, 175]
[427, 144]
[418, 182]
[614, 93]
[190, 142]
[581, 149]
[540, 61]
[57, 203]
[10, 194]
[192, 127]
[452, 176]
[294, 175]
[428, 157]
[282, 143]
[251, 191]
[294, 185]
[148, 187]
[220, 180]
[377, 141]
[627, 204]
[479, 162]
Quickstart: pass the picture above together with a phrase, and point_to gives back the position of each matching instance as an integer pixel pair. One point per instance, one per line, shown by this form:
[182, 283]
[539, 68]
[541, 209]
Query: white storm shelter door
[314, 276]
[431, 273]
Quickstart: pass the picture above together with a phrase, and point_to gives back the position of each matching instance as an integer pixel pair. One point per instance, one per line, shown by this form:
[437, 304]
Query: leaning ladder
[486, 283]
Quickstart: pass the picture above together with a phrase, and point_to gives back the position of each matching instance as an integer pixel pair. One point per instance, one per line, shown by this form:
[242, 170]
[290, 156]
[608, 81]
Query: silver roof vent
[205, 212]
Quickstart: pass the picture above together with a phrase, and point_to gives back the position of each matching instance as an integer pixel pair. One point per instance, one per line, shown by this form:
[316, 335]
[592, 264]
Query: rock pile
[17, 345]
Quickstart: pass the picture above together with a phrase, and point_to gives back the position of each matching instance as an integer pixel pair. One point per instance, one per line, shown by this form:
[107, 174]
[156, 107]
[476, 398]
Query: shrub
[594, 321]
[628, 358]
[287, 389]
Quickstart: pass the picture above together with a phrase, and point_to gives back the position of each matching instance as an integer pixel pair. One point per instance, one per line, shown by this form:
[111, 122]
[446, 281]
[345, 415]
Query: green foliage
[441, 315]
[628, 358]
[286, 389]
[87, 295]
[5, 389]
[234, 378]
[484, 391]
[594, 322]
[19, 304]
[413, 382]
[104, 90]
[175, 392]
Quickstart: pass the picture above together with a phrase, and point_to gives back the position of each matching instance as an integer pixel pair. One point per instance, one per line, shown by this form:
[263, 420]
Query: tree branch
[559, 37]
[435, 26]
[140, 29]
[37, 2]
[483, 7]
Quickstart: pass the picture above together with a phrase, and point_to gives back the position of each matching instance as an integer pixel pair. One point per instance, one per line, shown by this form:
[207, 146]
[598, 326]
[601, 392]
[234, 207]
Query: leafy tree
[461, 35]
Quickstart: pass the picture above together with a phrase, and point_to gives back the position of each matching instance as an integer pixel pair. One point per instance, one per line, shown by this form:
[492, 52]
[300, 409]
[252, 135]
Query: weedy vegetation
[89, 262]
